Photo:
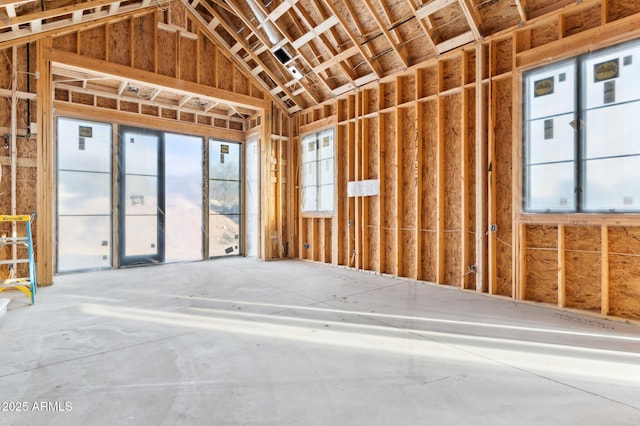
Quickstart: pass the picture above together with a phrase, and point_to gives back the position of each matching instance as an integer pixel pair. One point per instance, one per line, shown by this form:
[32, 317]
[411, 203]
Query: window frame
[580, 213]
[318, 213]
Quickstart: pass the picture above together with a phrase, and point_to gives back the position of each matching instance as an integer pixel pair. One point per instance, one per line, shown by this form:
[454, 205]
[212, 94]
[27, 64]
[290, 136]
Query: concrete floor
[242, 342]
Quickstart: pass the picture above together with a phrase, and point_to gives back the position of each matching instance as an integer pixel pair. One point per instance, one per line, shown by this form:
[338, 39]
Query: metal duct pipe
[269, 29]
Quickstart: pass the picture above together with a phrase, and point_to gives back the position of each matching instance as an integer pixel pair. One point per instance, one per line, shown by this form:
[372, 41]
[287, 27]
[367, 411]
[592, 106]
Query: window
[318, 172]
[581, 130]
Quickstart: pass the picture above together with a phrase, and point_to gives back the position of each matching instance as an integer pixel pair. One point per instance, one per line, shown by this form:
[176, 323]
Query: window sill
[580, 219]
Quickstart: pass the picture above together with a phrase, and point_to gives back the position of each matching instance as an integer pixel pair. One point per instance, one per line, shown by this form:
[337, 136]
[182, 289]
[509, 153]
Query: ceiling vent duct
[272, 34]
[282, 55]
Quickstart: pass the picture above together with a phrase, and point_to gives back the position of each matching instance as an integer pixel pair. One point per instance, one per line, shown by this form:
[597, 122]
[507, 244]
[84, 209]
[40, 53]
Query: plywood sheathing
[389, 192]
[620, 9]
[469, 184]
[542, 264]
[93, 43]
[119, 42]
[624, 272]
[498, 14]
[450, 117]
[144, 47]
[502, 173]
[429, 199]
[449, 22]
[167, 60]
[408, 163]
[585, 19]
[583, 267]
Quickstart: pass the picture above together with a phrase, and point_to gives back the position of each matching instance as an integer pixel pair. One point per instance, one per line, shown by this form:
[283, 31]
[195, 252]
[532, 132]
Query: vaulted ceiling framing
[304, 52]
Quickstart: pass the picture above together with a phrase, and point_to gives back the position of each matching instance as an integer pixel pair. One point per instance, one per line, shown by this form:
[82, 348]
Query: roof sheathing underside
[304, 52]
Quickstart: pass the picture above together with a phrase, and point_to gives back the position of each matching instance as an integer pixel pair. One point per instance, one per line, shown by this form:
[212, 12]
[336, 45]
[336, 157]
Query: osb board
[372, 172]
[389, 164]
[372, 106]
[204, 120]
[451, 73]
[408, 262]
[503, 55]
[235, 125]
[624, 240]
[583, 280]
[120, 42]
[470, 177]
[470, 76]
[82, 98]
[106, 102]
[241, 83]
[497, 15]
[144, 42]
[187, 117]
[407, 87]
[541, 237]
[428, 256]
[188, 60]
[390, 249]
[502, 175]
[624, 287]
[620, 8]
[169, 113]
[429, 200]
[449, 22]
[27, 148]
[225, 76]
[624, 272]
[21, 109]
[59, 95]
[93, 42]
[583, 264]
[544, 33]
[5, 69]
[150, 110]
[167, 61]
[207, 61]
[450, 117]
[388, 94]
[67, 42]
[429, 81]
[409, 167]
[452, 257]
[582, 20]
[177, 14]
[542, 276]
[128, 106]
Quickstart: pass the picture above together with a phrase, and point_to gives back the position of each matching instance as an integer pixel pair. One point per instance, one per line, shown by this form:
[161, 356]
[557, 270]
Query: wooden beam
[604, 252]
[400, 51]
[432, 7]
[473, 18]
[441, 190]
[373, 64]
[457, 41]
[148, 79]
[46, 153]
[522, 262]
[562, 270]
[523, 10]
[481, 171]
[464, 184]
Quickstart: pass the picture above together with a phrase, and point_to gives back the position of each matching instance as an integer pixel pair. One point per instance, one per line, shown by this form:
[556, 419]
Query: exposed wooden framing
[45, 183]
[523, 10]
[265, 184]
[14, 155]
[400, 51]
[464, 184]
[481, 171]
[382, 204]
[562, 271]
[473, 18]
[522, 267]
[312, 93]
[364, 174]
[399, 194]
[440, 224]
[492, 188]
[604, 249]
[419, 186]
[365, 51]
[146, 78]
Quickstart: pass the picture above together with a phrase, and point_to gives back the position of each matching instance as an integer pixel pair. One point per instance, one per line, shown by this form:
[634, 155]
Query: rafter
[523, 10]
[473, 18]
[400, 51]
[366, 54]
[261, 67]
[312, 93]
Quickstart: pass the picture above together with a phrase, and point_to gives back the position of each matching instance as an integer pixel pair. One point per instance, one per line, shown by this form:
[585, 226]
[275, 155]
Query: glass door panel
[141, 198]
[225, 214]
[83, 195]
[183, 197]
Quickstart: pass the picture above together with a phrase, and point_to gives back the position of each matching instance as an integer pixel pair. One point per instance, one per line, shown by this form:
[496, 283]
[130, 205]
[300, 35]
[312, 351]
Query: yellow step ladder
[26, 285]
